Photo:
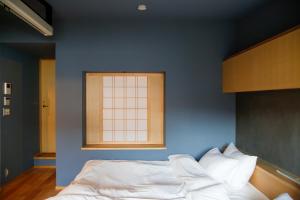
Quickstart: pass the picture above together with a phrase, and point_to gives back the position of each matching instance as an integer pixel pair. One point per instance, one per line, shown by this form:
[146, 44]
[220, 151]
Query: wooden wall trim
[94, 123]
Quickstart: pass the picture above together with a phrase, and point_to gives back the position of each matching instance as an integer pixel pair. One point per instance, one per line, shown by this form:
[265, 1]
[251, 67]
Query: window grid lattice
[125, 110]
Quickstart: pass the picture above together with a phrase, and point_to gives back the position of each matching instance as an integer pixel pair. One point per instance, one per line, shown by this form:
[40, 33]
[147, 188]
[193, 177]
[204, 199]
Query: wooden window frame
[86, 146]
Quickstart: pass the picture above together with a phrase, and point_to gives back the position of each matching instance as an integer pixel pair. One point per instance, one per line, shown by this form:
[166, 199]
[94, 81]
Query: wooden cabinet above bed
[271, 65]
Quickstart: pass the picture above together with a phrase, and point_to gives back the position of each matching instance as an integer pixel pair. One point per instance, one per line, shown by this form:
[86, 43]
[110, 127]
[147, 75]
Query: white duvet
[180, 178]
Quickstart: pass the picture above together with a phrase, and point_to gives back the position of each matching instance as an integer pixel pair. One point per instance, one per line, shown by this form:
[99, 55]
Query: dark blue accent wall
[198, 115]
[11, 126]
[262, 23]
[19, 132]
[31, 142]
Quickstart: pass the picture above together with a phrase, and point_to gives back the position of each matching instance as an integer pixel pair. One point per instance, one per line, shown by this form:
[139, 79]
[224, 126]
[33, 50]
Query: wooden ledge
[44, 167]
[45, 156]
[115, 149]
[123, 147]
[59, 187]
[267, 179]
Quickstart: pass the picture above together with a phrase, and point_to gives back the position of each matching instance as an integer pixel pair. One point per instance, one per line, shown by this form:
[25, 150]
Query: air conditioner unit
[36, 13]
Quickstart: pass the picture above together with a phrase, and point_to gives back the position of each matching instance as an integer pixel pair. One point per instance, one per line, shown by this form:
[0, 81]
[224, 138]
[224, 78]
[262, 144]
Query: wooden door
[47, 106]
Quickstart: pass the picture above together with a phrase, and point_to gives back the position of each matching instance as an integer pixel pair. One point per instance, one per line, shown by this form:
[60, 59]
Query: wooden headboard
[267, 179]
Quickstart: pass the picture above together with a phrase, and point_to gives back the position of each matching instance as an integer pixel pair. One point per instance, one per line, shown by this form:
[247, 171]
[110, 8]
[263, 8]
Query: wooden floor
[34, 184]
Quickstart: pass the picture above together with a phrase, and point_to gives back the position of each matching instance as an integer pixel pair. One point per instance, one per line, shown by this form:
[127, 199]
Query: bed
[249, 192]
[176, 179]
[216, 176]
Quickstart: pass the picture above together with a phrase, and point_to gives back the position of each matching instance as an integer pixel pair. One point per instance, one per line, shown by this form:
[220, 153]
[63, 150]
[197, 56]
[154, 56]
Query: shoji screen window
[124, 110]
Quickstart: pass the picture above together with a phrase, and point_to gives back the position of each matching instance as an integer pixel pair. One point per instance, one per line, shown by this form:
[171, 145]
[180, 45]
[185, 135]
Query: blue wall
[45, 162]
[19, 132]
[198, 115]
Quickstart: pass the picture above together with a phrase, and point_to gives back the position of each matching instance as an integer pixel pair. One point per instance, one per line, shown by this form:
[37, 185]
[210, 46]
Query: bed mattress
[249, 192]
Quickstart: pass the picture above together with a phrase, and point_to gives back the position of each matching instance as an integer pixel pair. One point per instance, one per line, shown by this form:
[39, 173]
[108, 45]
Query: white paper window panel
[119, 136]
[142, 125]
[119, 125]
[142, 103]
[107, 125]
[131, 103]
[142, 92]
[107, 92]
[130, 125]
[130, 92]
[141, 114]
[125, 119]
[107, 113]
[142, 81]
[119, 114]
[142, 136]
[119, 81]
[107, 136]
[107, 81]
[130, 136]
[131, 113]
[119, 92]
[131, 80]
[107, 102]
[118, 103]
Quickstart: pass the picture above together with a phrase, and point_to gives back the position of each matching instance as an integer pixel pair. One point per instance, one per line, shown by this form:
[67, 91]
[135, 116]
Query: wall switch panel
[6, 101]
[6, 172]
[6, 112]
[7, 88]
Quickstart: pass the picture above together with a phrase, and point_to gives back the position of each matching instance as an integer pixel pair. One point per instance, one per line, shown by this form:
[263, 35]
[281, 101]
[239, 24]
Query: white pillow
[243, 171]
[217, 165]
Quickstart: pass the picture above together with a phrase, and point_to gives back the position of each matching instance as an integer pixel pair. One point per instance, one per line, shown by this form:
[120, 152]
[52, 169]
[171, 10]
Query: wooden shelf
[271, 65]
[45, 156]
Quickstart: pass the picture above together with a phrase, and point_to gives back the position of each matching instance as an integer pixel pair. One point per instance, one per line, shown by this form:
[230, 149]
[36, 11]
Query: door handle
[44, 106]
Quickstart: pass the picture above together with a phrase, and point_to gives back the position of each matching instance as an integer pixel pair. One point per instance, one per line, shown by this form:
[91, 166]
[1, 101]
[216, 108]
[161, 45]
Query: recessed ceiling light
[142, 7]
